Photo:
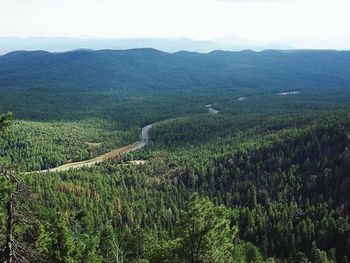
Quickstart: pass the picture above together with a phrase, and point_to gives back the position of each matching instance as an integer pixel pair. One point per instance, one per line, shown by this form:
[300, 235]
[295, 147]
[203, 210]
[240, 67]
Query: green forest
[266, 178]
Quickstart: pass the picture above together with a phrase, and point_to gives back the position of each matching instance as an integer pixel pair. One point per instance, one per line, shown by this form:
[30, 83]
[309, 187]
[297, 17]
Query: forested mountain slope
[284, 190]
[149, 68]
[265, 179]
[96, 83]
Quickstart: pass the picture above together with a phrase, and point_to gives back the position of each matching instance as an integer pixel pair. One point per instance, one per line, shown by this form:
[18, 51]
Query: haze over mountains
[229, 43]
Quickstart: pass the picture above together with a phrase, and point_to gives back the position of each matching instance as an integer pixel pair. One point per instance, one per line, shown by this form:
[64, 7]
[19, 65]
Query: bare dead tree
[17, 213]
[115, 253]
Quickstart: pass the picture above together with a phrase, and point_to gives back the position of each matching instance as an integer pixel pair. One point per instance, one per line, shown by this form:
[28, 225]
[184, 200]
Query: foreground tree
[14, 194]
[207, 234]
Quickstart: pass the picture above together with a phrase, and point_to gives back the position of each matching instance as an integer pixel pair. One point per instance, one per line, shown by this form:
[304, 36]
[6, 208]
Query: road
[145, 138]
[129, 148]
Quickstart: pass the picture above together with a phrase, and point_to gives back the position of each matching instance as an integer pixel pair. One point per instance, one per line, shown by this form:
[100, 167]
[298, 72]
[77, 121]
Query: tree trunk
[9, 234]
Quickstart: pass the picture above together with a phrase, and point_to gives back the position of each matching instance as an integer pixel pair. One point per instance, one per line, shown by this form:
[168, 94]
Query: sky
[262, 20]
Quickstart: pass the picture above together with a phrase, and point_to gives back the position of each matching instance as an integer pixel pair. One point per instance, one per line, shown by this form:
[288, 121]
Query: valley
[259, 175]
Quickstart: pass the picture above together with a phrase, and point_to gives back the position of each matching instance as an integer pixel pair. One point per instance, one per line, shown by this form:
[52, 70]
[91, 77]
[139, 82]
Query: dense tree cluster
[278, 193]
[290, 186]
[265, 180]
[36, 146]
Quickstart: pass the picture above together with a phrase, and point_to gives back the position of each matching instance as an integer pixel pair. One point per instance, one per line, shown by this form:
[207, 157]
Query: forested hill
[144, 68]
[266, 179]
[76, 85]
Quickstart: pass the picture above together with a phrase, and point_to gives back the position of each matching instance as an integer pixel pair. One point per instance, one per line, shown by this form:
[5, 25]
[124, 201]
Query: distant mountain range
[42, 85]
[148, 67]
[61, 44]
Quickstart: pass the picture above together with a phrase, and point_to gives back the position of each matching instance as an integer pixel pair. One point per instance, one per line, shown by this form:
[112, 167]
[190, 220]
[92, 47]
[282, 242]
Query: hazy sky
[198, 19]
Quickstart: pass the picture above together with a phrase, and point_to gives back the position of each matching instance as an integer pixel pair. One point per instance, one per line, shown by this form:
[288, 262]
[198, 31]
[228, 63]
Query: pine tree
[206, 232]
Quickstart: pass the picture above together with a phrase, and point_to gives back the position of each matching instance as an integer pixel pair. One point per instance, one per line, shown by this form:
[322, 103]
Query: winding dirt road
[129, 148]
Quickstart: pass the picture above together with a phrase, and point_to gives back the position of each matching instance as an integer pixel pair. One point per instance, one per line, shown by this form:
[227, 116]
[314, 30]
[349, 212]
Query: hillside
[265, 179]
[77, 84]
[149, 68]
